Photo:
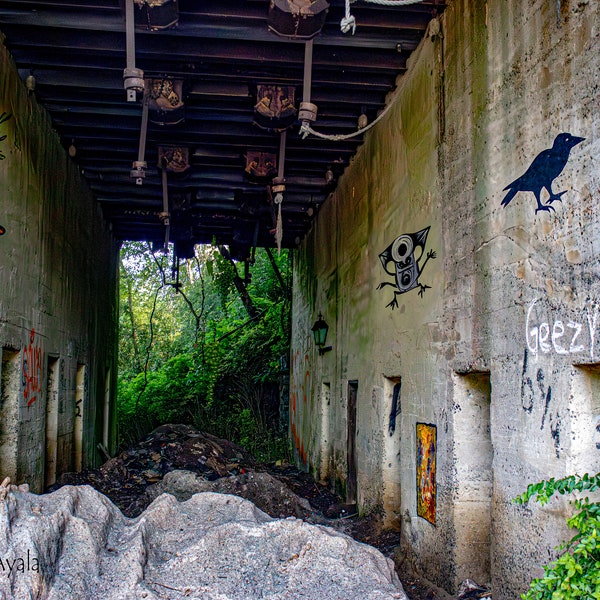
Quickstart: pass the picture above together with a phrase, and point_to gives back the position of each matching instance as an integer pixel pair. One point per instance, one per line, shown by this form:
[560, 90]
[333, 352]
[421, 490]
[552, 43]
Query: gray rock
[74, 543]
[263, 490]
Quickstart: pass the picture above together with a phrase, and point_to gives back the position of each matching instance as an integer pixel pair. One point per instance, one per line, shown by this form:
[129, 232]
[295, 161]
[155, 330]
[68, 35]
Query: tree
[201, 344]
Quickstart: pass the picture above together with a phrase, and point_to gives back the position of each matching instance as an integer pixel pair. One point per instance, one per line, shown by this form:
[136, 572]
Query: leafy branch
[576, 571]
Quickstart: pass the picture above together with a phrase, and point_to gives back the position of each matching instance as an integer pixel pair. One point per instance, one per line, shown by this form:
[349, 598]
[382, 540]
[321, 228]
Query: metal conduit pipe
[164, 216]
[138, 170]
[133, 78]
[307, 113]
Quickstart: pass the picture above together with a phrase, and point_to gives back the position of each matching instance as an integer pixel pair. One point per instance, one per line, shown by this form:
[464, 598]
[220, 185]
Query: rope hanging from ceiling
[349, 22]
[306, 129]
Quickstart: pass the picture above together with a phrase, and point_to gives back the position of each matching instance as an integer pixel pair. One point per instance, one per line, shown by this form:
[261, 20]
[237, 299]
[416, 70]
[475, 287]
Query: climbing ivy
[576, 572]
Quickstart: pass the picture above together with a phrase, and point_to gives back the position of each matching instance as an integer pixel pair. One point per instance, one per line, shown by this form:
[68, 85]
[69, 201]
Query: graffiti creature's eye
[402, 248]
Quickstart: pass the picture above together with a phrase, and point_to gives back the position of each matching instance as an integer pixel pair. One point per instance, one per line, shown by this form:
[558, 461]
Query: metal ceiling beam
[223, 51]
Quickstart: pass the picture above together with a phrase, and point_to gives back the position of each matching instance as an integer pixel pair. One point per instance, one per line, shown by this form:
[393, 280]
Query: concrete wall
[500, 352]
[58, 274]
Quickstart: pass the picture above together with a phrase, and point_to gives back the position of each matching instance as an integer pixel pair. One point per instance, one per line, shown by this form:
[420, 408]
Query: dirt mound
[125, 477]
[213, 464]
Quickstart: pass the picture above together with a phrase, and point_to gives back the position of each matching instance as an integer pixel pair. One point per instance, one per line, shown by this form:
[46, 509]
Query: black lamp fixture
[320, 329]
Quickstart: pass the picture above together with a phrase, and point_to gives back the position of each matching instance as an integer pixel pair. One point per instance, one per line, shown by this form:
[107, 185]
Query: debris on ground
[74, 543]
[470, 590]
[182, 461]
[218, 465]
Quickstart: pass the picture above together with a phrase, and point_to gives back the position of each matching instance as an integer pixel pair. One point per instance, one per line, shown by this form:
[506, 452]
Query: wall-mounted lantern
[320, 329]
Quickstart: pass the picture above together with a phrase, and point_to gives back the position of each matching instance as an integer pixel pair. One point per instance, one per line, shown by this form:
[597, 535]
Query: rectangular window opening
[106, 412]
[325, 442]
[52, 420]
[584, 406]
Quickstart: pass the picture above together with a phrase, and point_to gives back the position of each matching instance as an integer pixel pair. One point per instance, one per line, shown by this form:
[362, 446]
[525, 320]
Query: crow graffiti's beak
[576, 140]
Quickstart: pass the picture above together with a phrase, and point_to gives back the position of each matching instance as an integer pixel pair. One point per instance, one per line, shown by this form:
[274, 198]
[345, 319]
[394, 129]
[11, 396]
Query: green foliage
[576, 572]
[192, 354]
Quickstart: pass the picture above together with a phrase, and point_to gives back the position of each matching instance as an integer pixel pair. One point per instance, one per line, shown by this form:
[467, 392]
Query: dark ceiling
[222, 54]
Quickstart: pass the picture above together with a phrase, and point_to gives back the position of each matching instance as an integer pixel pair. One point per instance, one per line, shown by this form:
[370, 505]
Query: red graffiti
[299, 445]
[32, 370]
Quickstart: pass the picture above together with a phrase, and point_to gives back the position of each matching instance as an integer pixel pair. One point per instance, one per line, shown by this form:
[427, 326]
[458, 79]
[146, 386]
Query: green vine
[576, 571]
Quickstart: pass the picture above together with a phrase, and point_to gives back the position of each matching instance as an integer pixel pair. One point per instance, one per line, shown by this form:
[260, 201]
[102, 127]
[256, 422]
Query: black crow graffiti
[407, 269]
[544, 169]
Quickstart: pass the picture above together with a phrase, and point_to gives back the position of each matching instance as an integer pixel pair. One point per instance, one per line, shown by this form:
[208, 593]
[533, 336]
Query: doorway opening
[9, 411]
[52, 390]
[351, 484]
[473, 455]
[392, 438]
[80, 401]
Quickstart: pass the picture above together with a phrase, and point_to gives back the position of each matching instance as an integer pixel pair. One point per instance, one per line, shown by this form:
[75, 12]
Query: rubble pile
[212, 464]
[75, 544]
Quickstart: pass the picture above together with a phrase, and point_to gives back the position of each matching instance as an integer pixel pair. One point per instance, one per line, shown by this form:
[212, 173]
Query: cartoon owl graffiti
[403, 253]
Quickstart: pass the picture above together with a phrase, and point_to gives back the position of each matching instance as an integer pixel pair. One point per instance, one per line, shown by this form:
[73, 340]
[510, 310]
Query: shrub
[576, 571]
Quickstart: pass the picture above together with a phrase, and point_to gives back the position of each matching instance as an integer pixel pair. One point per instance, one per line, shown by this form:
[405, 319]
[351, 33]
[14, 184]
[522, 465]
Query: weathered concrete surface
[58, 274]
[75, 544]
[500, 353]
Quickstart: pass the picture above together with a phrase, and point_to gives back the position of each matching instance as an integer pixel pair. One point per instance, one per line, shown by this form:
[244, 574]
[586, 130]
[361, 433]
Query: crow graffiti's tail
[512, 192]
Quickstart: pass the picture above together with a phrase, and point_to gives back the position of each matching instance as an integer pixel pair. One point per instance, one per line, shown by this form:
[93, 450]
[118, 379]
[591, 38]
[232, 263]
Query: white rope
[392, 2]
[306, 129]
[349, 22]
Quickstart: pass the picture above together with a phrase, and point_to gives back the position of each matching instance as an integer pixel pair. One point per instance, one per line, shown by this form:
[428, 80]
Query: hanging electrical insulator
[156, 14]
[301, 19]
[261, 167]
[274, 108]
[133, 78]
[165, 104]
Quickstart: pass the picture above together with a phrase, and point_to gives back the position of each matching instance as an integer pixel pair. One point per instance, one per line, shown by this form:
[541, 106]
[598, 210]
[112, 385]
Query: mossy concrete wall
[58, 307]
[497, 344]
